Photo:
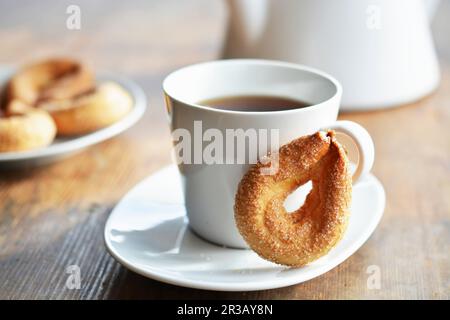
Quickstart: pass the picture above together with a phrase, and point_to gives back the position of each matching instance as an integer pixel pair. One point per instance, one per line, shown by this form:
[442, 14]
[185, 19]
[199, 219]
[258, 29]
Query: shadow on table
[133, 286]
[18, 171]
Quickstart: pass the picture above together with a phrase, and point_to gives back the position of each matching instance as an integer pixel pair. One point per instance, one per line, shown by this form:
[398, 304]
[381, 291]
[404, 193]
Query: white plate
[147, 232]
[62, 147]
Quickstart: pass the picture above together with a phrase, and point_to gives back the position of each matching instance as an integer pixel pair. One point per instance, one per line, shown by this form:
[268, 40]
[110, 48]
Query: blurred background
[53, 216]
[143, 40]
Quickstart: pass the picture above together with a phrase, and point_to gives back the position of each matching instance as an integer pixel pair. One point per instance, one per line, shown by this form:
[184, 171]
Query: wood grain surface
[53, 216]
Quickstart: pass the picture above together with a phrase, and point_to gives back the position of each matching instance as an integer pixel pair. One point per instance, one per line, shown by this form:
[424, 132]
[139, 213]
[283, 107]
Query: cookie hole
[351, 148]
[297, 198]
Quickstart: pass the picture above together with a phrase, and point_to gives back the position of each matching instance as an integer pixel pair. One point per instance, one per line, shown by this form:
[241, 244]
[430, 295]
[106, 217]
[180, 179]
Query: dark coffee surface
[253, 103]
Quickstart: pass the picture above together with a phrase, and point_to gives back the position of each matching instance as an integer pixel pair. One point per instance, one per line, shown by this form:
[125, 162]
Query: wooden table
[53, 216]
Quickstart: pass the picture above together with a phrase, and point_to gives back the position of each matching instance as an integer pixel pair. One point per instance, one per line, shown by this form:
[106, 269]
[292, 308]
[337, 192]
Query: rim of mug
[275, 63]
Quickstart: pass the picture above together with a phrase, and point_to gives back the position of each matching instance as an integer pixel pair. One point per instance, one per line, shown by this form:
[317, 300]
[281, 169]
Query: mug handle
[364, 144]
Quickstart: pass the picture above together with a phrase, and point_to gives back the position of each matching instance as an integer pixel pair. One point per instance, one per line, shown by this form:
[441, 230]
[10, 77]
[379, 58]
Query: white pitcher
[380, 50]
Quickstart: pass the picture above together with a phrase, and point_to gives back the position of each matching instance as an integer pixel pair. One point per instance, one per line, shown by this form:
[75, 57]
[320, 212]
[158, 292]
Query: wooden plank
[53, 216]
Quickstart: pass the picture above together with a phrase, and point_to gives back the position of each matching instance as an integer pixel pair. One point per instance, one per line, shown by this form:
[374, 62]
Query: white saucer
[147, 232]
[62, 147]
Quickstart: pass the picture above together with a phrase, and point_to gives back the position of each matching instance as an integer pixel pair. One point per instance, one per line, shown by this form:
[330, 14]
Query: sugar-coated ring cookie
[300, 237]
[91, 111]
[48, 80]
[24, 128]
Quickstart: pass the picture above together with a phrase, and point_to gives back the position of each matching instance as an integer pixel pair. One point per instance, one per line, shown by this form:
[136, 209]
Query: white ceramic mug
[209, 189]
